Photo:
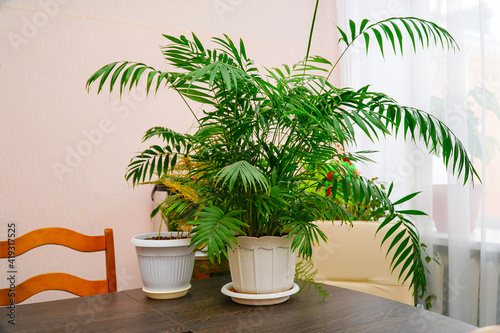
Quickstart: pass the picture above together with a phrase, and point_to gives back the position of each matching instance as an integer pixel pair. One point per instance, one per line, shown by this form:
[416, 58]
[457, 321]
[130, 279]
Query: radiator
[482, 312]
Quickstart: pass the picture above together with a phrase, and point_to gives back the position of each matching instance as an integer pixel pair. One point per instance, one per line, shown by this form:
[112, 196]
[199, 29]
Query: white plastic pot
[166, 266]
[262, 265]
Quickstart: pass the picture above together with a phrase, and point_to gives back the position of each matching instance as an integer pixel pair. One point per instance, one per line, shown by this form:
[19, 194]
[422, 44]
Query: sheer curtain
[461, 88]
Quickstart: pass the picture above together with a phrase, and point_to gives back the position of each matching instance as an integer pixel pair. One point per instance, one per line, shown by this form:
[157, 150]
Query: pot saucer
[258, 299]
[166, 294]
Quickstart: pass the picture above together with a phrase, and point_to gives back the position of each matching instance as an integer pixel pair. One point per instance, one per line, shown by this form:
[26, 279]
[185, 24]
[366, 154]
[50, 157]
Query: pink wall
[64, 151]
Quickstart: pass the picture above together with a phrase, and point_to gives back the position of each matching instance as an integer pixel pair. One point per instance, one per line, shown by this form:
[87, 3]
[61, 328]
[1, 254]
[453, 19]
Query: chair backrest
[353, 259]
[60, 281]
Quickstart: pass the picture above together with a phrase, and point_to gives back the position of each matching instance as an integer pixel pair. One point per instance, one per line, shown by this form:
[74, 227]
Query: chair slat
[54, 281]
[55, 236]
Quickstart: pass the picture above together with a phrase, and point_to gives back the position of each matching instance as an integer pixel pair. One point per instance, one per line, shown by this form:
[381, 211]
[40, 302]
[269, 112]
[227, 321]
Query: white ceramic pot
[262, 265]
[166, 266]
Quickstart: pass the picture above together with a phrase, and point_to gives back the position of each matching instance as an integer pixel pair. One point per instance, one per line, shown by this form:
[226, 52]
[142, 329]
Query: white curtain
[462, 89]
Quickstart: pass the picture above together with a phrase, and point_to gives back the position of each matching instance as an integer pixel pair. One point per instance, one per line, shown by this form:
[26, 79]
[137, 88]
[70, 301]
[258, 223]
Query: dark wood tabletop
[206, 309]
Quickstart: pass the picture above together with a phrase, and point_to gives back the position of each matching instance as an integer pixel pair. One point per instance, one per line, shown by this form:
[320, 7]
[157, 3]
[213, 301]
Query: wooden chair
[61, 281]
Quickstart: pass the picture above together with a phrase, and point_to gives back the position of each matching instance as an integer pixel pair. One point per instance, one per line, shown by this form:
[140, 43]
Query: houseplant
[166, 263]
[166, 259]
[259, 134]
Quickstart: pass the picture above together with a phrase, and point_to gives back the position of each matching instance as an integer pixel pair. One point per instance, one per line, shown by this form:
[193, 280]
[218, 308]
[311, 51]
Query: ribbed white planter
[262, 265]
[166, 266]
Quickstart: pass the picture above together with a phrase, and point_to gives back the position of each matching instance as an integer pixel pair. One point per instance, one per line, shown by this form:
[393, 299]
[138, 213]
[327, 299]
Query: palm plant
[258, 134]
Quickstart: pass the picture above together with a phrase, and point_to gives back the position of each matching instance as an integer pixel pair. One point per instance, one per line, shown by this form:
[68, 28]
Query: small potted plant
[258, 134]
[166, 259]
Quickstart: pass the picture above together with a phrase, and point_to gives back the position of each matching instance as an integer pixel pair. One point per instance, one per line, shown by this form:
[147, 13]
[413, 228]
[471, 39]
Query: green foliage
[407, 247]
[393, 29]
[216, 228]
[259, 134]
[304, 276]
[408, 252]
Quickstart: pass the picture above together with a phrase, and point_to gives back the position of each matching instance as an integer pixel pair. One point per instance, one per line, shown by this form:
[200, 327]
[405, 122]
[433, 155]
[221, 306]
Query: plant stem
[311, 32]
[189, 107]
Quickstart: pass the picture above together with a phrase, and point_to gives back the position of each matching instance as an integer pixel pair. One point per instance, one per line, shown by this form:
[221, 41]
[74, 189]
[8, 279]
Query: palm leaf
[391, 30]
[249, 176]
[214, 228]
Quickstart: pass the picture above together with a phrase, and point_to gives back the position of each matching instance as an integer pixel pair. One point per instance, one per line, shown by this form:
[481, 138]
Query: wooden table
[206, 309]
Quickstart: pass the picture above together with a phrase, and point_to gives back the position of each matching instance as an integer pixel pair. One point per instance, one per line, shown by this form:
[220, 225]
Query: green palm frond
[393, 30]
[128, 73]
[216, 229]
[159, 160]
[305, 235]
[249, 176]
[170, 137]
[185, 54]
[374, 112]
[238, 55]
[153, 160]
[407, 250]
[305, 274]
